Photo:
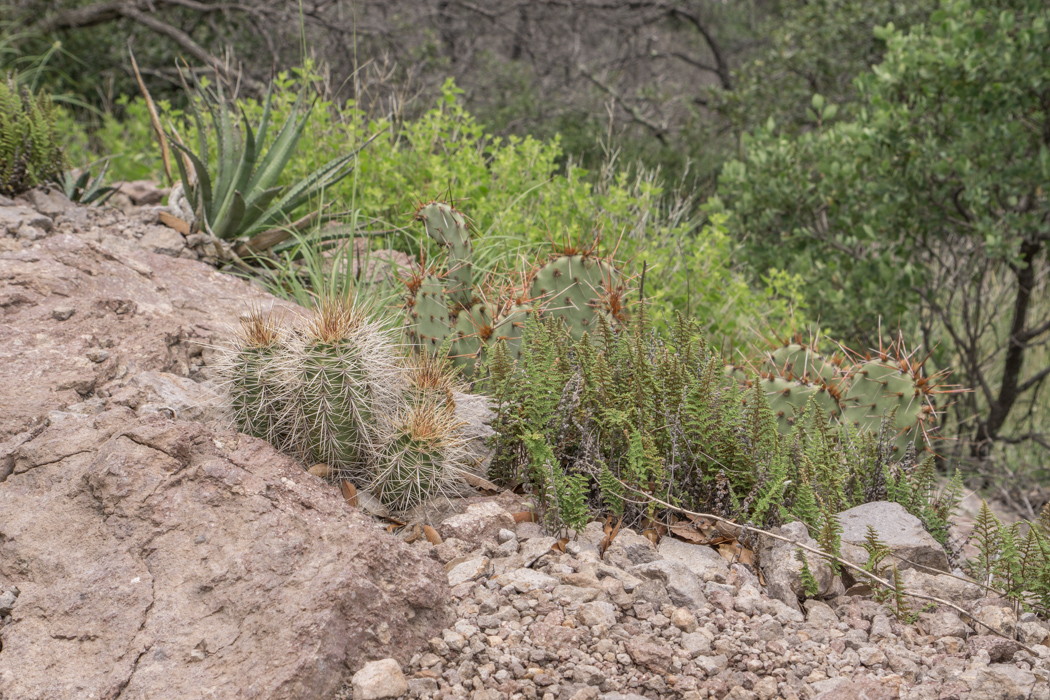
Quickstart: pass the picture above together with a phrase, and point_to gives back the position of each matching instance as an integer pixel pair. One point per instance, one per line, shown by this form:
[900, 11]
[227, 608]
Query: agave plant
[83, 188]
[239, 196]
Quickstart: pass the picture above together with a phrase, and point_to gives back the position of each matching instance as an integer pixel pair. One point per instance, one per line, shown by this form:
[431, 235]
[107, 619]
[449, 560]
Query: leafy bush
[929, 208]
[520, 192]
[30, 150]
[635, 415]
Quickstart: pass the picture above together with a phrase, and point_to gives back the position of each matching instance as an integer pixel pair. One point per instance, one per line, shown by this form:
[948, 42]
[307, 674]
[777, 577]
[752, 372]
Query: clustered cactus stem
[335, 388]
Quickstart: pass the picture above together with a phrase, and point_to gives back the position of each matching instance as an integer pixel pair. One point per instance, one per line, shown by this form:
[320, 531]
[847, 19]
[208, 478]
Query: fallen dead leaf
[321, 469]
[479, 483]
[525, 516]
[431, 534]
[610, 535]
[349, 493]
[686, 532]
[172, 221]
[413, 534]
[734, 552]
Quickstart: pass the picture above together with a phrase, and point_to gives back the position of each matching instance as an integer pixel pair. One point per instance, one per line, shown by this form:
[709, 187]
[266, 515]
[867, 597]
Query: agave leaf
[278, 155]
[238, 179]
[231, 223]
[81, 182]
[257, 208]
[227, 160]
[203, 189]
[325, 176]
[264, 122]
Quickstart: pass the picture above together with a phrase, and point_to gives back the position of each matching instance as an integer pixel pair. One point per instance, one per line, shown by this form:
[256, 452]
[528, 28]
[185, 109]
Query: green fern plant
[809, 582]
[637, 413]
[30, 150]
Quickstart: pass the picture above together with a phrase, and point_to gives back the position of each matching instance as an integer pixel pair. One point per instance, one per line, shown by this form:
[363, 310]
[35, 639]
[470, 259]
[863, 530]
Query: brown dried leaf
[609, 536]
[172, 221]
[414, 533]
[479, 483]
[321, 469]
[349, 493]
[735, 552]
[525, 516]
[686, 532]
[432, 536]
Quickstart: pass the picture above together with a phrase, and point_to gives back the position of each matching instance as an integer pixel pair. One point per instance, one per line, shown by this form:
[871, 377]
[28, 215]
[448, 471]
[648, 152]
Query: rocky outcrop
[142, 555]
[87, 308]
[155, 558]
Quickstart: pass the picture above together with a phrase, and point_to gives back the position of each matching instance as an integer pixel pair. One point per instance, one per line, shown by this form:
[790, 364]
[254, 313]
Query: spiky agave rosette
[421, 452]
[252, 370]
[346, 374]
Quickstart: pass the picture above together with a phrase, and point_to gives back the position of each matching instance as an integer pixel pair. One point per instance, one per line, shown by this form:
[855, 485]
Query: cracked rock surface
[160, 559]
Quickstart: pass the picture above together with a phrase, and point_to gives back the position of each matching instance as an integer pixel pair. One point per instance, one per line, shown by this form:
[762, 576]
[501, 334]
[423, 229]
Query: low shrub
[626, 414]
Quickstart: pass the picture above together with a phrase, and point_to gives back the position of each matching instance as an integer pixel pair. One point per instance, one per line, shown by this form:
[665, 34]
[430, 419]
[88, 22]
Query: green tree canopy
[930, 206]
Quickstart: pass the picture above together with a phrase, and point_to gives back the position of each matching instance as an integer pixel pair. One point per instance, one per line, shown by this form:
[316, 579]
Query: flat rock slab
[159, 558]
[901, 531]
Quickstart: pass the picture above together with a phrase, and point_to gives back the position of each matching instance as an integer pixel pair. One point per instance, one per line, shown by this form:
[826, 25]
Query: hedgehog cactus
[347, 373]
[420, 453]
[254, 380]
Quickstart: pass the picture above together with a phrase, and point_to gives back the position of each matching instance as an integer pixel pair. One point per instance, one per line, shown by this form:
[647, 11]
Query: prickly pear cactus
[511, 327]
[428, 322]
[571, 288]
[880, 389]
[862, 394]
[474, 327]
[449, 228]
[797, 361]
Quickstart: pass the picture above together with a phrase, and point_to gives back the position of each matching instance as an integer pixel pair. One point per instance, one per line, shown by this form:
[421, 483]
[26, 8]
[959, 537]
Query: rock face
[901, 531]
[143, 556]
[154, 558]
[783, 571]
[79, 318]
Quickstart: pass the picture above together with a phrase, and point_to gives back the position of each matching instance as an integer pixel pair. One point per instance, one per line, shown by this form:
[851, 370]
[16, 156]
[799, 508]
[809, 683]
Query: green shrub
[522, 193]
[30, 151]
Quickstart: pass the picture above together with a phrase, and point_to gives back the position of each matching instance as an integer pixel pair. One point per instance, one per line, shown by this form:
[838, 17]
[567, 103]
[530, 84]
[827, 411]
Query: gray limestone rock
[909, 543]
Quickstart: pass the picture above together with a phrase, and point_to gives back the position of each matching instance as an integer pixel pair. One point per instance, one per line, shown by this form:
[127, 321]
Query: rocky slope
[677, 621]
[143, 555]
[146, 550]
